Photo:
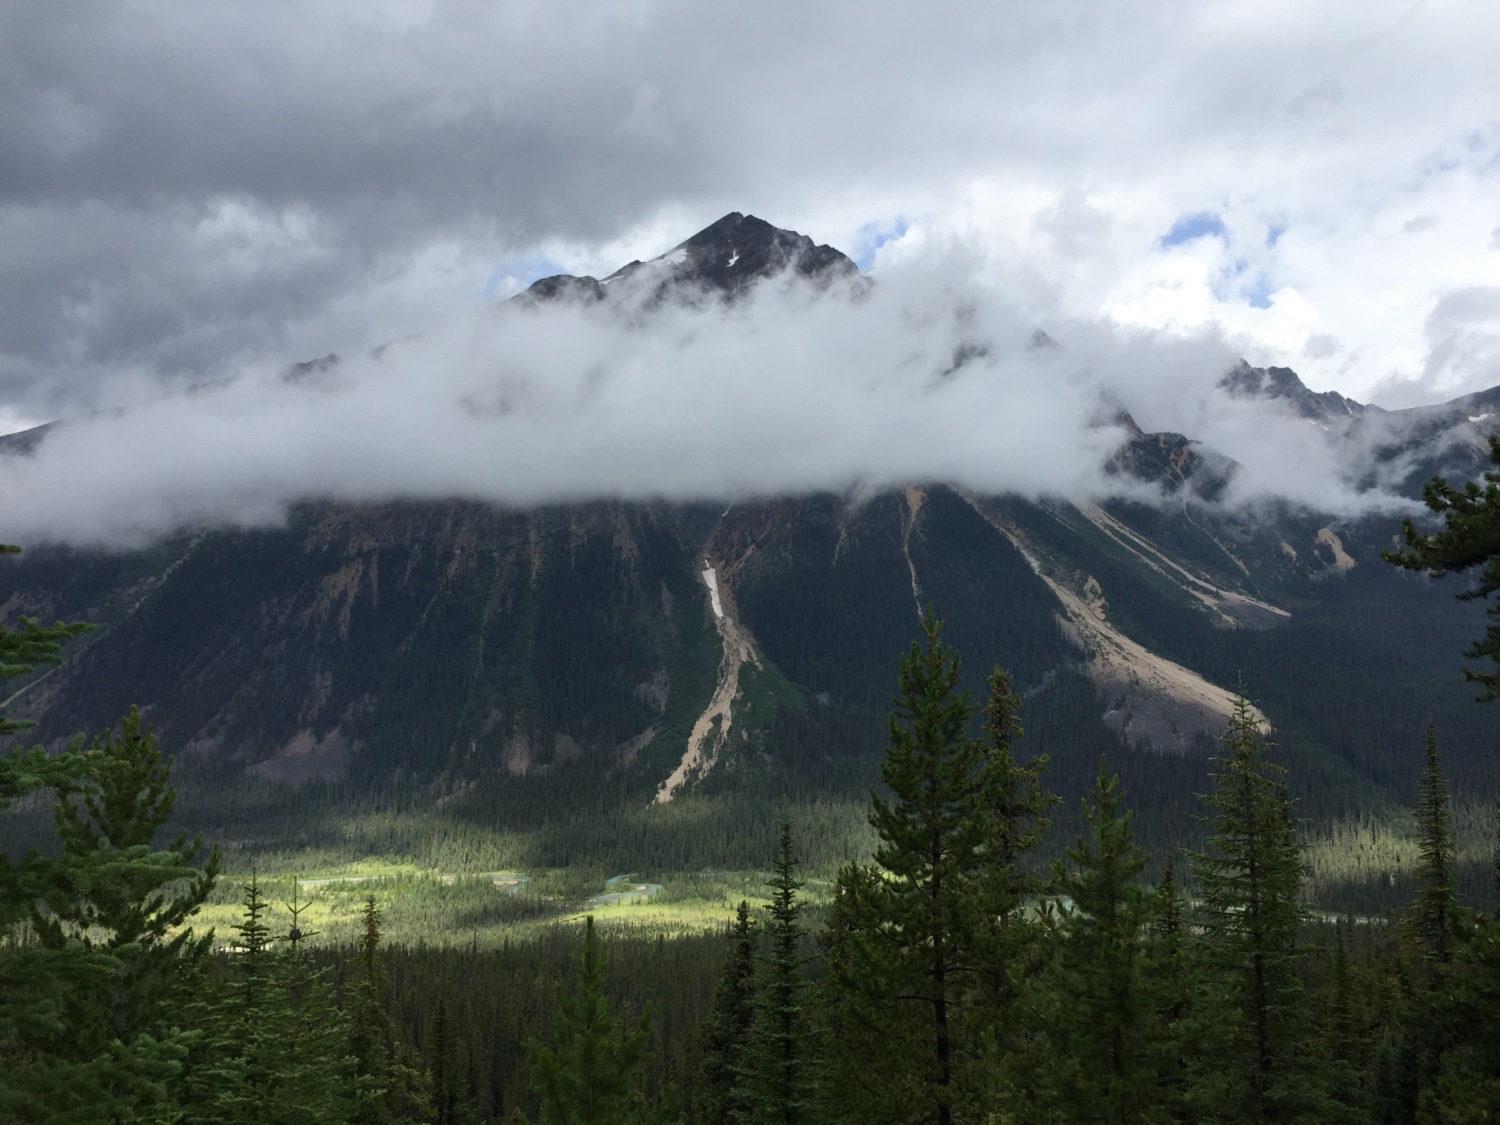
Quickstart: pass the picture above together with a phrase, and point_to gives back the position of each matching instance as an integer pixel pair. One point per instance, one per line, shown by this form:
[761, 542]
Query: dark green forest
[953, 974]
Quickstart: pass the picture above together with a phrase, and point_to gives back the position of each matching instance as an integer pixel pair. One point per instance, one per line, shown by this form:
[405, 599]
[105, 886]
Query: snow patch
[711, 580]
[674, 257]
[734, 256]
[1481, 417]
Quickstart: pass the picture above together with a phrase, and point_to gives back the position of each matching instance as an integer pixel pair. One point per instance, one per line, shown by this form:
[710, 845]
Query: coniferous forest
[953, 976]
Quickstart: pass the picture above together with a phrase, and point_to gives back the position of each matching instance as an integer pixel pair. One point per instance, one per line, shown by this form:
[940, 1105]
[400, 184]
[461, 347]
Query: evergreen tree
[1466, 1088]
[868, 1039]
[81, 1028]
[1434, 914]
[1167, 923]
[1431, 1023]
[778, 1063]
[1109, 1048]
[1346, 1032]
[318, 1079]
[450, 1093]
[1469, 537]
[229, 1070]
[21, 650]
[370, 1031]
[1017, 806]
[276, 1046]
[1250, 911]
[398, 1088]
[918, 946]
[588, 1076]
[1466, 1085]
[138, 904]
[726, 1039]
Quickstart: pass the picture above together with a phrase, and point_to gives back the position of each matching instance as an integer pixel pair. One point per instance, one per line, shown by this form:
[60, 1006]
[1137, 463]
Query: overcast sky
[195, 190]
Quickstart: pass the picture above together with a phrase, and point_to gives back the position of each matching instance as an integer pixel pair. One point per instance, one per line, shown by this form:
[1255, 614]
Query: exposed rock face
[724, 259]
[1282, 384]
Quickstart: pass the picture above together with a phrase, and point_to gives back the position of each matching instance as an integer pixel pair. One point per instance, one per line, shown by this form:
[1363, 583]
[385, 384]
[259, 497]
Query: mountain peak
[738, 249]
[1282, 383]
[727, 256]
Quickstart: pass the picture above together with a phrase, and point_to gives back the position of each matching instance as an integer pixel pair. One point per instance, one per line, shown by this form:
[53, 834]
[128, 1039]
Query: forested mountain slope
[659, 647]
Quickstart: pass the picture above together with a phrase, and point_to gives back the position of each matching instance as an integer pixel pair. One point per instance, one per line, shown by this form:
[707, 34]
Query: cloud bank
[191, 191]
[929, 375]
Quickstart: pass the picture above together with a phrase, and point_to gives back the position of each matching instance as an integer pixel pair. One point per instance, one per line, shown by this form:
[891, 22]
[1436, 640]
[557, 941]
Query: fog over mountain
[799, 384]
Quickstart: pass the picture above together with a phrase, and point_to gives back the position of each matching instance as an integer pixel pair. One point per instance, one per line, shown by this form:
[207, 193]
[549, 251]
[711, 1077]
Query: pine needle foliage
[779, 1064]
[1469, 537]
[21, 650]
[1434, 913]
[116, 809]
[98, 942]
[588, 1075]
[1111, 1039]
[920, 942]
[726, 1040]
[1250, 912]
[276, 1045]
[398, 1087]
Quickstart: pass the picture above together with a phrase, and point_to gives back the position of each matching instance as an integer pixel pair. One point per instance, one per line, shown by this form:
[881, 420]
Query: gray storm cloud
[193, 190]
[926, 376]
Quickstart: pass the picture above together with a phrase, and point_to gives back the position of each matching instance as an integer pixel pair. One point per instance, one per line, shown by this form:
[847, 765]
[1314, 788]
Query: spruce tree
[1469, 537]
[1344, 1019]
[1111, 1042]
[81, 1025]
[1462, 1029]
[726, 1041]
[276, 1046]
[1434, 914]
[1167, 923]
[1435, 930]
[139, 901]
[318, 1079]
[364, 1002]
[778, 1060]
[1249, 884]
[919, 946]
[440, 1063]
[397, 1086]
[230, 1069]
[1017, 807]
[588, 1075]
[868, 1039]
[21, 650]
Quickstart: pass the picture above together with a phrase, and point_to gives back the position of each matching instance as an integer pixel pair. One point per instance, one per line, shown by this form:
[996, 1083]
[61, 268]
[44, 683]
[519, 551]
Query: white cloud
[786, 392]
[194, 192]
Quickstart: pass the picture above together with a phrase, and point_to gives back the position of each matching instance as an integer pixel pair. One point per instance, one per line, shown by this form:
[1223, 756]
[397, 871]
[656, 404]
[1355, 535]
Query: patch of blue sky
[1258, 293]
[1238, 281]
[1274, 233]
[526, 270]
[872, 236]
[1190, 227]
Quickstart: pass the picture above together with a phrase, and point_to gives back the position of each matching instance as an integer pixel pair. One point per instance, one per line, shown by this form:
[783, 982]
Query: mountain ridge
[449, 643]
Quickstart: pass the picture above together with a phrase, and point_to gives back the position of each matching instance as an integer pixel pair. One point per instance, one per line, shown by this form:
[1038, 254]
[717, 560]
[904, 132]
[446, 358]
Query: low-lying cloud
[926, 376]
